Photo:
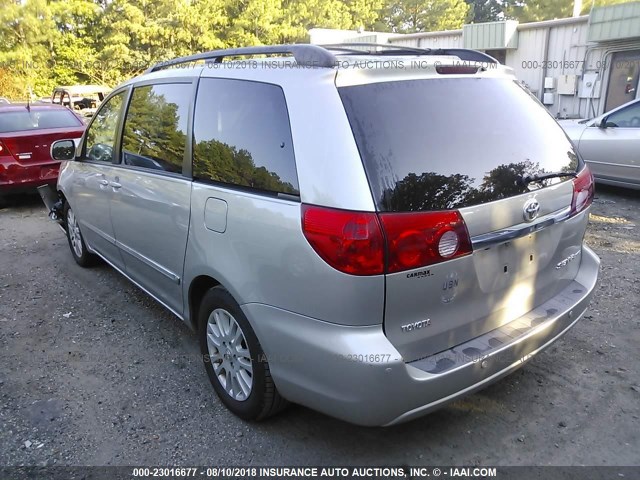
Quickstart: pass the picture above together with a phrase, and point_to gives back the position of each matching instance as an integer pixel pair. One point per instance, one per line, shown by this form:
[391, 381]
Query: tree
[537, 10]
[409, 16]
[73, 54]
[27, 36]
[253, 22]
[484, 11]
[364, 13]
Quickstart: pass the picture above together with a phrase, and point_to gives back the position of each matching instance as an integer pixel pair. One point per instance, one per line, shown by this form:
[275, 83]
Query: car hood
[573, 128]
[572, 122]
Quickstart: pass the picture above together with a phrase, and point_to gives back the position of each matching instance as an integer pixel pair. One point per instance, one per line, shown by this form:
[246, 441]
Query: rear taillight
[348, 241]
[424, 238]
[3, 150]
[583, 191]
[353, 242]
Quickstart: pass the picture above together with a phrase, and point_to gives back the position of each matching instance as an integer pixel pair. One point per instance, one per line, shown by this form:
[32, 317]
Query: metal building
[579, 67]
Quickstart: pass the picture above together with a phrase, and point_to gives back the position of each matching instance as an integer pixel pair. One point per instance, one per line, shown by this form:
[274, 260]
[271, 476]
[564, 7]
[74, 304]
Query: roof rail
[304, 54]
[376, 48]
[391, 49]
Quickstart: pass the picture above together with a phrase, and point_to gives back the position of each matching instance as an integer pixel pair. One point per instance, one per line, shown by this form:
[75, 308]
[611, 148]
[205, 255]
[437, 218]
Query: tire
[76, 242]
[251, 393]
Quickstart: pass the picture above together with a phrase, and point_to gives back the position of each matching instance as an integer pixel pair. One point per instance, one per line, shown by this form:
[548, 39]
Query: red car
[26, 135]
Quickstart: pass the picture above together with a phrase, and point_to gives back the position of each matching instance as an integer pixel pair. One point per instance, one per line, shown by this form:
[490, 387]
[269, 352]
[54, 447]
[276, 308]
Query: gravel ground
[94, 372]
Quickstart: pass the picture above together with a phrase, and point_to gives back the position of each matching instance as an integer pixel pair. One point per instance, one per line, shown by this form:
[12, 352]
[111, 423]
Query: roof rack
[391, 49]
[304, 54]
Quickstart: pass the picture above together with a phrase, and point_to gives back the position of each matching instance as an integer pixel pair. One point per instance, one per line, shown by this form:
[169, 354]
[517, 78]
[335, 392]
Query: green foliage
[411, 16]
[483, 11]
[57, 42]
[44, 43]
[538, 10]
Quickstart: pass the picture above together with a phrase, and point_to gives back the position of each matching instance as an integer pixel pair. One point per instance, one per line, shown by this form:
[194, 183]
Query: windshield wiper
[527, 179]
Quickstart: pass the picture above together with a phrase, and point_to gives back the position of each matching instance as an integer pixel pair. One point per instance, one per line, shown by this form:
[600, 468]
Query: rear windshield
[450, 143]
[35, 119]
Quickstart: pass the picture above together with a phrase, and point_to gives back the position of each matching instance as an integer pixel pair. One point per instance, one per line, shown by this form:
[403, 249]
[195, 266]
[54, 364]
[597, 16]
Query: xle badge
[449, 287]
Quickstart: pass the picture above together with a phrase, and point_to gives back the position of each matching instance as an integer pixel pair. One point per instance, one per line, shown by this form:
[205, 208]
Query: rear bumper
[16, 176]
[355, 373]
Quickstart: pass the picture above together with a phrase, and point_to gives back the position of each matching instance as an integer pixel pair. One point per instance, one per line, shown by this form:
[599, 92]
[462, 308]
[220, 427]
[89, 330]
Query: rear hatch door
[472, 144]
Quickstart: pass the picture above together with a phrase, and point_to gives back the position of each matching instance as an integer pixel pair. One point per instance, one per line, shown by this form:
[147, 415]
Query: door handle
[103, 183]
[115, 185]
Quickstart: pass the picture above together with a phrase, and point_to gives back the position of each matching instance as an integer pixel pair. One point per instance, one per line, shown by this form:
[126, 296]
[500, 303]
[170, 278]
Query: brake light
[457, 69]
[358, 243]
[424, 238]
[3, 150]
[348, 241]
[583, 191]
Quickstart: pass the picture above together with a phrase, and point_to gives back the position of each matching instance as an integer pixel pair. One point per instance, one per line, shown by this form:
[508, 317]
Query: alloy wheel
[229, 354]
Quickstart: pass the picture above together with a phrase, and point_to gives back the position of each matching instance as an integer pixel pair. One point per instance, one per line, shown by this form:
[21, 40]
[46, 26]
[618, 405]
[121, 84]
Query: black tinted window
[37, 119]
[155, 128]
[101, 136]
[242, 136]
[449, 143]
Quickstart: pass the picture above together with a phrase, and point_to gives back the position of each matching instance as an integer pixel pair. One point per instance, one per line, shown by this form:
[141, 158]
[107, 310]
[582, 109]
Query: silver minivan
[370, 232]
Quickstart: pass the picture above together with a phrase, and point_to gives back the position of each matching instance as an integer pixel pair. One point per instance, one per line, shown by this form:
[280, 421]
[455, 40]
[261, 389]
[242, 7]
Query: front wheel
[76, 242]
[234, 360]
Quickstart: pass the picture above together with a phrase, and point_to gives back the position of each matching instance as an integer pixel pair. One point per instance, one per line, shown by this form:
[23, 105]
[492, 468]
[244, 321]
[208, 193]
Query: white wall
[545, 49]
[451, 39]
[567, 43]
[564, 55]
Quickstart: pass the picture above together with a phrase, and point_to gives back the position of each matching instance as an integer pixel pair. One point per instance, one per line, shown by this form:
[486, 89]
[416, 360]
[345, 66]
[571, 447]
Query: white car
[610, 144]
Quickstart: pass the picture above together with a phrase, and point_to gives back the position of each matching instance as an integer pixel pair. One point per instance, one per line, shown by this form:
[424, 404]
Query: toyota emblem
[531, 209]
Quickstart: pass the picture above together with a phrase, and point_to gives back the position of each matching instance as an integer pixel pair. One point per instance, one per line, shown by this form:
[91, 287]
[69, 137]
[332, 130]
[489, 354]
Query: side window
[242, 136]
[628, 117]
[101, 136]
[155, 128]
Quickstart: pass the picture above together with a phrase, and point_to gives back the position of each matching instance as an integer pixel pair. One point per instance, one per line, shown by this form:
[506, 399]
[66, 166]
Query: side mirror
[63, 150]
[605, 123]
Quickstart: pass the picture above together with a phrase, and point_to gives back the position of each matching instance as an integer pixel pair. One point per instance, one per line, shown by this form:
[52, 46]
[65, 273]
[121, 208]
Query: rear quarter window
[438, 144]
[242, 136]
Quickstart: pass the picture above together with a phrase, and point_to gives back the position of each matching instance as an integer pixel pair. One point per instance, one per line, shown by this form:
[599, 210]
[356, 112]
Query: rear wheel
[234, 360]
[76, 242]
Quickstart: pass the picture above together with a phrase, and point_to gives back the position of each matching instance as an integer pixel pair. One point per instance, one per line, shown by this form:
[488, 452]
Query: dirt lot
[94, 372]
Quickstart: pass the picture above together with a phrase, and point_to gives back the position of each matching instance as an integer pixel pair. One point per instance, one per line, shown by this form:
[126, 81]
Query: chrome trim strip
[146, 260]
[156, 266]
[611, 164]
[497, 237]
[132, 280]
[98, 232]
